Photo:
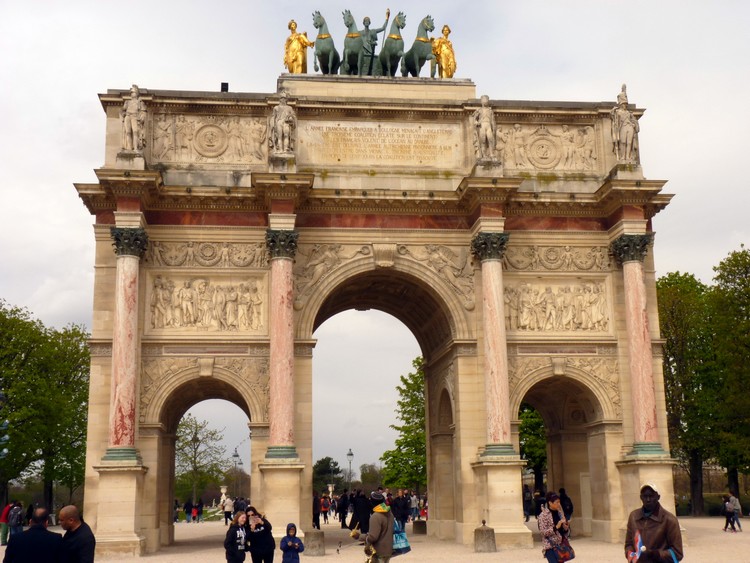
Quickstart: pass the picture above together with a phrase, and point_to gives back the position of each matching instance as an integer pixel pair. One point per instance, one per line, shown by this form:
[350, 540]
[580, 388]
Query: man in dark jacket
[342, 507]
[36, 544]
[400, 508]
[659, 530]
[79, 542]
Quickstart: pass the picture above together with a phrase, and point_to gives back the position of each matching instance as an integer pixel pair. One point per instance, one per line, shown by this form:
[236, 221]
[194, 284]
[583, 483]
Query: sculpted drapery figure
[483, 120]
[133, 117]
[283, 125]
[295, 50]
[445, 57]
[624, 129]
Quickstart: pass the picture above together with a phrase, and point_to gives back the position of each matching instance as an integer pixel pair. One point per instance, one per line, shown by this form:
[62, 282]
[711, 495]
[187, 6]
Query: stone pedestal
[119, 519]
[484, 539]
[419, 527]
[315, 543]
[130, 160]
[498, 481]
[280, 481]
[486, 167]
[282, 162]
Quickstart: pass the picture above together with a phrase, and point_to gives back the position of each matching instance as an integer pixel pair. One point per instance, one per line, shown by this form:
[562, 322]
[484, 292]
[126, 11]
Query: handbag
[400, 541]
[564, 551]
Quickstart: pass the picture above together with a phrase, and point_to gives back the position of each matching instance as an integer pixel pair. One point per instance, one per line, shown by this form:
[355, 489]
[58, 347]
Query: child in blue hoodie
[291, 545]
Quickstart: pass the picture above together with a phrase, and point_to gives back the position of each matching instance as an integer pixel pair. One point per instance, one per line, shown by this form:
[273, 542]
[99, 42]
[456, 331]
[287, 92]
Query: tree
[406, 465]
[44, 374]
[325, 471]
[533, 442]
[691, 379]
[371, 476]
[200, 456]
[732, 323]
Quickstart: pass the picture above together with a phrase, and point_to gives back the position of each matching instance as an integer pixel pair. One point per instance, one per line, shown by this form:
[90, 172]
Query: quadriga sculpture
[421, 50]
[325, 51]
[352, 46]
[393, 48]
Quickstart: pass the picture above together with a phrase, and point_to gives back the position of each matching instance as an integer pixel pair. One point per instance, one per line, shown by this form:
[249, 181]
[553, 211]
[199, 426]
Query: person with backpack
[567, 504]
[15, 519]
[325, 506]
[728, 514]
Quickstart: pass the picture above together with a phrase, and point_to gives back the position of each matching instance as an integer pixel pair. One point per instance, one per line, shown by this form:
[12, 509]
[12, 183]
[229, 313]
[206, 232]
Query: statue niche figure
[133, 118]
[295, 50]
[624, 129]
[483, 121]
[445, 58]
[283, 126]
[325, 51]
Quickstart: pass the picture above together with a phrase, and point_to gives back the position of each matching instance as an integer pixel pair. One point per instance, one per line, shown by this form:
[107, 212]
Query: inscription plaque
[378, 144]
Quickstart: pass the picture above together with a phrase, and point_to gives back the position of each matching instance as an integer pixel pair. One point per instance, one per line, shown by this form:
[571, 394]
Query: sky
[685, 62]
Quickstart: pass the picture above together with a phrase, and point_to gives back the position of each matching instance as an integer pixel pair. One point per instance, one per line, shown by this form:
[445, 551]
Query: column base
[647, 449]
[281, 452]
[127, 454]
[493, 450]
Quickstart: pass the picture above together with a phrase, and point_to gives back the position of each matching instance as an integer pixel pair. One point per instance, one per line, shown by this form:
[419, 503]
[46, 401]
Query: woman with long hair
[262, 544]
[235, 542]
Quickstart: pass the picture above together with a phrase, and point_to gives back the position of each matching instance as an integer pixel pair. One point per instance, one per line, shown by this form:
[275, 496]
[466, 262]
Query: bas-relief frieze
[556, 307]
[339, 143]
[212, 139]
[157, 371]
[207, 254]
[203, 304]
[557, 258]
[100, 350]
[316, 262]
[454, 267]
[547, 147]
[603, 371]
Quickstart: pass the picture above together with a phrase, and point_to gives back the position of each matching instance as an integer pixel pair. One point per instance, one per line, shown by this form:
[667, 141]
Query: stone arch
[174, 395]
[411, 292]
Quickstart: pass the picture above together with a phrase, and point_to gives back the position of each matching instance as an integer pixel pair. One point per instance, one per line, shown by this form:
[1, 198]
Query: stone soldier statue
[283, 125]
[483, 120]
[133, 117]
[624, 129]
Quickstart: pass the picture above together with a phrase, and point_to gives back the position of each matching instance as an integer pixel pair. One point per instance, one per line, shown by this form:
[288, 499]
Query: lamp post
[196, 442]
[350, 457]
[237, 461]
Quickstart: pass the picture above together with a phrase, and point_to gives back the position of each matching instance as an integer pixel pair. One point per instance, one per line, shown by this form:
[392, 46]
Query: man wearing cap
[380, 534]
[657, 529]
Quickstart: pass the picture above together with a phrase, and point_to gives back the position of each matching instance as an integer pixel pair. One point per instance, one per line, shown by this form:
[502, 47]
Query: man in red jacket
[4, 524]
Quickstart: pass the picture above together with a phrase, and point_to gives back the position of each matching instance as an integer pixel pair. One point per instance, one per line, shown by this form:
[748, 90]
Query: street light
[196, 442]
[237, 461]
[350, 457]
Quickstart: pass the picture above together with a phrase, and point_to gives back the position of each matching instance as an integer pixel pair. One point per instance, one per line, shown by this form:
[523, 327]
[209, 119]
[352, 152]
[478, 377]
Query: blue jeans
[737, 519]
[551, 556]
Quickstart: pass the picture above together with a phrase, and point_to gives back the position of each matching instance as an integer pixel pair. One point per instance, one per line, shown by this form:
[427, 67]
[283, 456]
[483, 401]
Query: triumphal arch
[512, 238]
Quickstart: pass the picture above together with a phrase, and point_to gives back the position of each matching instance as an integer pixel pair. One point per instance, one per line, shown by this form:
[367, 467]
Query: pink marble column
[490, 247]
[282, 246]
[630, 251]
[130, 245]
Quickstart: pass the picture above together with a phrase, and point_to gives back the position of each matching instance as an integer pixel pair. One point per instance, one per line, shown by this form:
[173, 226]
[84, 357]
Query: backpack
[14, 518]
[326, 504]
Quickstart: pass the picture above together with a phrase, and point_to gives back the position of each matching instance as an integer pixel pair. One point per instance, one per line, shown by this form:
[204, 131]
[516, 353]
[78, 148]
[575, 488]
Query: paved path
[203, 543]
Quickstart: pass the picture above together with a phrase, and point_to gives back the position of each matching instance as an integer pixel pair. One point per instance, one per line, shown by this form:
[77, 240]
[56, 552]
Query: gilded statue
[624, 129]
[133, 117]
[295, 50]
[445, 57]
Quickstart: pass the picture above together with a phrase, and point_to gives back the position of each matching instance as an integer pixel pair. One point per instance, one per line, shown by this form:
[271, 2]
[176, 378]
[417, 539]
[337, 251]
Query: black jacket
[35, 545]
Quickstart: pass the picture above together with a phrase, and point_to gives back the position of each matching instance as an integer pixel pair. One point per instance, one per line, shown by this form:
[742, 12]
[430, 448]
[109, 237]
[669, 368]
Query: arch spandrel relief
[565, 258]
[180, 139]
[601, 375]
[548, 307]
[206, 254]
[160, 376]
[452, 265]
[211, 305]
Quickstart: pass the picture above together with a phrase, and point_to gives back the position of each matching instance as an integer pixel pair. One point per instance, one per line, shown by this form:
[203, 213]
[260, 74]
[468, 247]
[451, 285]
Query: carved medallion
[544, 153]
[211, 141]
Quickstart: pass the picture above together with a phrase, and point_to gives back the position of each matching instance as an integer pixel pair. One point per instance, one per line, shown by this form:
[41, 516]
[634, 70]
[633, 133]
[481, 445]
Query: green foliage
[533, 442]
[44, 374]
[200, 457]
[326, 471]
[371, 477]
[732, 322]
[406, 465]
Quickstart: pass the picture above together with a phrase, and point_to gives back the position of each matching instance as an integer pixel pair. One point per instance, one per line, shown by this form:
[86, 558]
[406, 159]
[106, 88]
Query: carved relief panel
[206, 304]
[557, 258]
[547, 147]
[552, 307]
[207, 254]
[208, 139]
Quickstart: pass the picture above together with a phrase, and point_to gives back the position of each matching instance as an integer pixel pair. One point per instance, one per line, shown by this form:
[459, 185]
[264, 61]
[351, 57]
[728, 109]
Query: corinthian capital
[628, 248]
[129, 241]
[281, 244]
[489, 246]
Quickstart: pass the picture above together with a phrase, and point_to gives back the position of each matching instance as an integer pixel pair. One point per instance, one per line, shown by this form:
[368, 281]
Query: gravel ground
[706, 543]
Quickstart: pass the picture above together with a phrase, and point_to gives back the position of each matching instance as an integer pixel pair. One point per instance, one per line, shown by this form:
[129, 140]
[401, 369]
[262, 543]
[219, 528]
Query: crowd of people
[37, 543]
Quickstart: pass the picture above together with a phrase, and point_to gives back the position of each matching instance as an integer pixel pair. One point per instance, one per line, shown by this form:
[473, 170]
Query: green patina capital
[129, 241]
[281, 244]
[629, 248]
[489, 246]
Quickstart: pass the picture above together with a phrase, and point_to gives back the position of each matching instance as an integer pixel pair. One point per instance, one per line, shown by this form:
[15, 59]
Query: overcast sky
[685, 62]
